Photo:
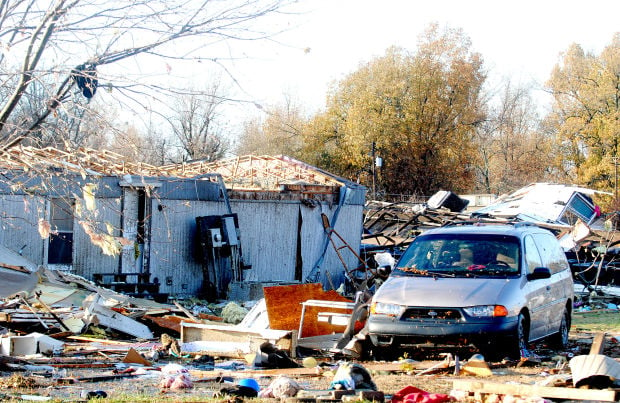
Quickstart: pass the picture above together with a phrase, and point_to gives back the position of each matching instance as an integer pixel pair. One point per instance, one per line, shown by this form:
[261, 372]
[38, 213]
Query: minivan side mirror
[539, 273]
[384, 271]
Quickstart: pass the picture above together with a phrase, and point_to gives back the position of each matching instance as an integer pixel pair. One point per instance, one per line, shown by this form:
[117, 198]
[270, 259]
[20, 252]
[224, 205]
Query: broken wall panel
[130, 254]
[87, 257]
[268, 233]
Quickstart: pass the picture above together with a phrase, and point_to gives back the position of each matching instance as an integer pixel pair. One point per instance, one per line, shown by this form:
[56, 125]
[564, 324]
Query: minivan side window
[552, 254]
[532, 257]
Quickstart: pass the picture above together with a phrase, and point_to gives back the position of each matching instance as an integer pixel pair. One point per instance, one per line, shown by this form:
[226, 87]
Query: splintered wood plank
[284, 308]
[598, 344]
[523, 390]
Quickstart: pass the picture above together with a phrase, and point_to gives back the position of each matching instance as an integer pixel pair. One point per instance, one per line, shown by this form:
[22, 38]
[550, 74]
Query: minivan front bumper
[386, 331]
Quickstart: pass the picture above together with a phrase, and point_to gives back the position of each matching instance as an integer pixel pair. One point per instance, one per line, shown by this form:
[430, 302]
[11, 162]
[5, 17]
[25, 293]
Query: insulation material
[233, 313]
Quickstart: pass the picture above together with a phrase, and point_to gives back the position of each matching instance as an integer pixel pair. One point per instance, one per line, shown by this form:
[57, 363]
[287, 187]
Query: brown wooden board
[533, 390]
[598, 344]
[283, 304]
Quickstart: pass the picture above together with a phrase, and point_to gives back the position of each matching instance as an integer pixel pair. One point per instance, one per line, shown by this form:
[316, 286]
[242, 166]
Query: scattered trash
[94, 394]
[412, 394]
[170, 345]
[246, 387]
[351, 376]
[29, 344]
[477, 366]
[282, 387]
[16, 381]
[309, 362]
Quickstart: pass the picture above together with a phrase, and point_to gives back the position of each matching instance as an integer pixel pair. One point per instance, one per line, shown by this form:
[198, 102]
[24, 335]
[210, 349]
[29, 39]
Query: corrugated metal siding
[19, 218]
[348, 226]
[268, 238]
[59, 186]
[187, 189]
[173, 228]
[268, 232]
[129, 230]
[87, 257]
[356, 195]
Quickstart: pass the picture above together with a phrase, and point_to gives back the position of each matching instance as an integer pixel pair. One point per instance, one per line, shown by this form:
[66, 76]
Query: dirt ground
[146, 387]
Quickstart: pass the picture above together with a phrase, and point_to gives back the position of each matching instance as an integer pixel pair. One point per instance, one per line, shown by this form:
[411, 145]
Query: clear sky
[328, 39]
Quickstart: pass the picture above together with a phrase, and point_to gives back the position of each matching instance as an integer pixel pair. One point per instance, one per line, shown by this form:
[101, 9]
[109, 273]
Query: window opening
[60, 249]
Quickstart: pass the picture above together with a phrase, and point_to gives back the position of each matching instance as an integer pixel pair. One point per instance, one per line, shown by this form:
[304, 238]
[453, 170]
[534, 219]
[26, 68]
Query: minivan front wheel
[520, 337]
[560, 339]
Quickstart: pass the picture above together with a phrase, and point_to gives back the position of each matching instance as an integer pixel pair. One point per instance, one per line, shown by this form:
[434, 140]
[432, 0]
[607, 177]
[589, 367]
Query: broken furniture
[339, 314]
[232, 341]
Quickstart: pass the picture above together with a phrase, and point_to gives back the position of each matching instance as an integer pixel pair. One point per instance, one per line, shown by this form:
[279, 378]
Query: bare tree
[278, 131]
[64, 44]
[85, 123]
[512, 150]
[197, 124]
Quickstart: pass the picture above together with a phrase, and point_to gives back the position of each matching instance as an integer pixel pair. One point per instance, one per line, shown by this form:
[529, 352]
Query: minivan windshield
[461, 255]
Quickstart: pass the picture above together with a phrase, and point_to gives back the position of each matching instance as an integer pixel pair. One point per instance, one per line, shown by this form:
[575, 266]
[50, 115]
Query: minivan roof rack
[463, 222]
[476, 221]
[518, 224]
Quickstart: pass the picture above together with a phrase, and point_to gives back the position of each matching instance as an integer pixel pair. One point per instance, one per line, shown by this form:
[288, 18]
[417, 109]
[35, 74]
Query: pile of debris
[61, 329]
[588, 237]
[282, 346]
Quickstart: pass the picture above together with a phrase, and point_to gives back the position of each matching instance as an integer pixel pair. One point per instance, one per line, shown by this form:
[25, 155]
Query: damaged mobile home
[214, 229]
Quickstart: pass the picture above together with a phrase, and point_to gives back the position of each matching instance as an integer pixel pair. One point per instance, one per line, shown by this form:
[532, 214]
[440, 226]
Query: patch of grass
[601, 320]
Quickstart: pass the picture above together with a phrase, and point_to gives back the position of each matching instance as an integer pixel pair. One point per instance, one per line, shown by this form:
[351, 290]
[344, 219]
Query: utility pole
[373, 170]
[614, 159]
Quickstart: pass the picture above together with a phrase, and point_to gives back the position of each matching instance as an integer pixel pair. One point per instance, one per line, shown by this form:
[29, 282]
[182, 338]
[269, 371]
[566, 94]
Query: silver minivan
[498, 287]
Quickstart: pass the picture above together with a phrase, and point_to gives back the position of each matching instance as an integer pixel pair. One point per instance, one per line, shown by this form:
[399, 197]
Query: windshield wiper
[440, 274]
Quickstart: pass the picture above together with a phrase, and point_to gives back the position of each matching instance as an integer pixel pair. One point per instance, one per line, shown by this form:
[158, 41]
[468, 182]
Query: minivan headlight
[481, 311]
[381, 308]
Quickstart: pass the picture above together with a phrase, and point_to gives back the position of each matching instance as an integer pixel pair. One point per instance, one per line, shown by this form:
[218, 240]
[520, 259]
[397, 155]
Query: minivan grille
[431, 313]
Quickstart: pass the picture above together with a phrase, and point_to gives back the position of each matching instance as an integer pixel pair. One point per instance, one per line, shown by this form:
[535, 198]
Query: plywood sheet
[284, 308]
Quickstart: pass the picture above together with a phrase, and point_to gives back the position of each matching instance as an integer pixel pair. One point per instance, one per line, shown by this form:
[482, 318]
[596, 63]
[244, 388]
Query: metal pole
[374, 172]
[614, 159]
